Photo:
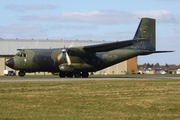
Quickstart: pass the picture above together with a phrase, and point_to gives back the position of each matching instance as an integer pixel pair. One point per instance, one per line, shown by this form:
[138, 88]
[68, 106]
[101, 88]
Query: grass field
[97, 76]
[90, 100]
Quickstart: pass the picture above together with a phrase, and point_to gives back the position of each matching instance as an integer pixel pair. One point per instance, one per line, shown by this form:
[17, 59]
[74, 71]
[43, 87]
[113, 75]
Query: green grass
[95, 76]
[90, 100]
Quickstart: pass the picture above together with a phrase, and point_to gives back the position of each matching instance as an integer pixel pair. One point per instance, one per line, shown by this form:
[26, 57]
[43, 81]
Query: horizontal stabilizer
[151, 52]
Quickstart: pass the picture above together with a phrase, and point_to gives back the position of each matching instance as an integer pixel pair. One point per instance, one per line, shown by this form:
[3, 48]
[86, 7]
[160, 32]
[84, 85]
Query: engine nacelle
[76, 66]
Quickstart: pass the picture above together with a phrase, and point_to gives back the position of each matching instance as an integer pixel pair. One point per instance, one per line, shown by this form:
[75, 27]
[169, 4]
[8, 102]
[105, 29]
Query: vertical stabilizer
[147, 29]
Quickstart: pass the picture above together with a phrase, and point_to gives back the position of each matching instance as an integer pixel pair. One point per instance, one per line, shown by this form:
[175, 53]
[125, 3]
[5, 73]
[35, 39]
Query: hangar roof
[10, 46]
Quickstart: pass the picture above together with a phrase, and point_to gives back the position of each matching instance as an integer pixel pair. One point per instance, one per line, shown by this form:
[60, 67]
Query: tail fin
[146, 29]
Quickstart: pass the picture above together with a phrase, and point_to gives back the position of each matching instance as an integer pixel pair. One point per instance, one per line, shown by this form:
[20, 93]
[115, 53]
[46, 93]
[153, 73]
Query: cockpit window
[21, 54]
[18, 54]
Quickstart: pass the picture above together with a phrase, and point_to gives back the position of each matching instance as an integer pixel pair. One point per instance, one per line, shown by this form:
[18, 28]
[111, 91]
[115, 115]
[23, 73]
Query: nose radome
[10, 63]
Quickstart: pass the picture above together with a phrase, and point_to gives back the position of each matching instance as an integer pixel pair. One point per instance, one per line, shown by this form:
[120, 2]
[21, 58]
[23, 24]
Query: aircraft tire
[77, 74]
[69, 74]
[21, 73]
[85, 74]
[62, 74]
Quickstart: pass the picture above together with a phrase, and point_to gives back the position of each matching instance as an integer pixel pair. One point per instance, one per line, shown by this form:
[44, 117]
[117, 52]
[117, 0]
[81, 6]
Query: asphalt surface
[9, 79]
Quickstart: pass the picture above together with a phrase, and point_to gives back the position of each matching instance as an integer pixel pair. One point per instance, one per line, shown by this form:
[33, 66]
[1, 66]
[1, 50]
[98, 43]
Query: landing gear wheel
[69, 74]
[85, 74]
[62, 74]
[77, 74]
[21, 73]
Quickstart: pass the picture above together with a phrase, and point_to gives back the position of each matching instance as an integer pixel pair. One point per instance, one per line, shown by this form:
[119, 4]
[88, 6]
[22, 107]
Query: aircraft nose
[10, 63]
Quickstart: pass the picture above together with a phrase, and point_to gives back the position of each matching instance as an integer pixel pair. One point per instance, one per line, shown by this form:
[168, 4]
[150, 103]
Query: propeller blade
[68, 59]
[59, 56]
[72, 43]
[64, 51]
[36, 44]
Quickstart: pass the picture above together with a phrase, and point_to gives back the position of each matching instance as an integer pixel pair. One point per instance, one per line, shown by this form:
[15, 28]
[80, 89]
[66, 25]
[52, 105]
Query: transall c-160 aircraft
[78, 61]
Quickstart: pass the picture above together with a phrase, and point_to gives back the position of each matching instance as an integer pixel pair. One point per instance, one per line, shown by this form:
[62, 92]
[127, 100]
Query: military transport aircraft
[78, 61]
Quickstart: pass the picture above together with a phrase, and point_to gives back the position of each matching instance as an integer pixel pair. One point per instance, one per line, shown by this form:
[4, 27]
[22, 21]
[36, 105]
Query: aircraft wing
[112, 45]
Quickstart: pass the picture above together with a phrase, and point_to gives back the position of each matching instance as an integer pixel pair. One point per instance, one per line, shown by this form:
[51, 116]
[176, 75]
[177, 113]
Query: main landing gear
[76, 74]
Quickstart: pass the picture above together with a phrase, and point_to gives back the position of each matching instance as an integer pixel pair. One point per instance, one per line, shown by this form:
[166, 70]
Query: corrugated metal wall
[120, 68]
[2, 66]
[9, 46]
[132, 66]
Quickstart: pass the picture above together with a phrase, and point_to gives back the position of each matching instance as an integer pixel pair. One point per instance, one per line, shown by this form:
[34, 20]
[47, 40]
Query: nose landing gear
[21, 73]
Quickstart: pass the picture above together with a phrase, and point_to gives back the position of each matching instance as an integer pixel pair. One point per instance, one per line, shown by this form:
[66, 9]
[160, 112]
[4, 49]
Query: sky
[108, 20]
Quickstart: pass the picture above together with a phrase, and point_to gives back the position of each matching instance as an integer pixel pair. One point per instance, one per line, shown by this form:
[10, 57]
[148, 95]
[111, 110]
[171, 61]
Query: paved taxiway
[73, 79]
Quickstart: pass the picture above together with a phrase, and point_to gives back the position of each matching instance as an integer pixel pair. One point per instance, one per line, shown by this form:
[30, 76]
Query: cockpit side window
[21, 54]
[18, 54]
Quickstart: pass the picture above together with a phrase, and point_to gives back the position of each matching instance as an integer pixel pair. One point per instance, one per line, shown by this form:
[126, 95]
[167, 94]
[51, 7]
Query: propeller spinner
[64, 51]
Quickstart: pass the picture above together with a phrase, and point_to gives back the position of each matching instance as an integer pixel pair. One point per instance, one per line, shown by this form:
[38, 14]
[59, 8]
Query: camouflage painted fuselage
[37, 60]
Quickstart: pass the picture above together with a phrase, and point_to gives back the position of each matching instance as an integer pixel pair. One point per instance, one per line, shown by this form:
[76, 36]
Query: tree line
[158, 66]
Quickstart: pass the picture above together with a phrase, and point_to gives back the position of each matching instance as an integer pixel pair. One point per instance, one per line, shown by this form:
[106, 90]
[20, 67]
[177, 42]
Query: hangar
[8, 47]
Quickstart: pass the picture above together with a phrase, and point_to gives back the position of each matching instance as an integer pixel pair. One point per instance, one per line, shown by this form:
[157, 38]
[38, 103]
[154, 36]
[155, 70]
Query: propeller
[37, 42]
[65, 51]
